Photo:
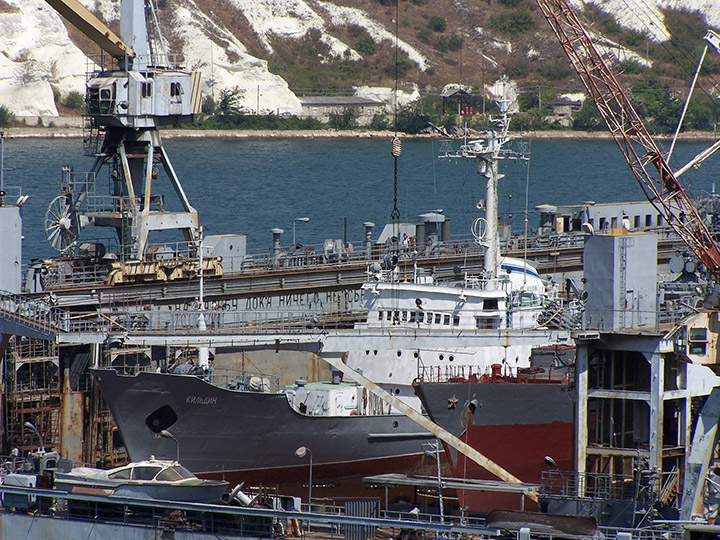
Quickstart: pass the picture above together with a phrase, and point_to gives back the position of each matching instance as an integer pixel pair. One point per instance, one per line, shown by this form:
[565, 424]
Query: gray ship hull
[252, 436]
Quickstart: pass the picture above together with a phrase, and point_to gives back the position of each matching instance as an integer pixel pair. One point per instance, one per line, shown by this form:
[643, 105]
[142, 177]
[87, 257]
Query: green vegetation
[512, 21]
[345, 120]
[437, 24]
[74, 100]
[657, 105]
[7, 117]
[588, 118]
[511, 3]
[555, 70]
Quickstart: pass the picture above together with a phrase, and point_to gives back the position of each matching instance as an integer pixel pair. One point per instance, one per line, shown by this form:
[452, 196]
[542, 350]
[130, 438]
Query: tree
[7, 117]
[228, 103]
[437, 24]
[588, 118]
[344, 120]
[411, 118]
[660, 107]
[74, 100]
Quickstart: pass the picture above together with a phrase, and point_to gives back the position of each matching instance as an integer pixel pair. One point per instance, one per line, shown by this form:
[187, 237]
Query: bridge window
[438, 318]
[146, 89]
[648, 220]
[176, 89]
[490, 304]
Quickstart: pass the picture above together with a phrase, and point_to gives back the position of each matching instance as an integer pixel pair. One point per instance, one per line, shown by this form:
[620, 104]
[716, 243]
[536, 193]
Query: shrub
[345, 120]
[588, 118]
[455, 42]
[365, 45]
[437, 24]
[511, 3]
[632, 67]
[424, 35]
[404, 64]
[7, 117]
[74, 100]
[515, 21]
[556, 69]
[379, 122]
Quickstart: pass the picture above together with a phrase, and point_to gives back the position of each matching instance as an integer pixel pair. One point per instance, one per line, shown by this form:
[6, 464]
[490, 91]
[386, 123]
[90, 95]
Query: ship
[251, 436]
[247, 431]
[513, 420]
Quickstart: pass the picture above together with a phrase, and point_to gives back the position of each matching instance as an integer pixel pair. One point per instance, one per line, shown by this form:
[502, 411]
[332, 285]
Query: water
[251, 186]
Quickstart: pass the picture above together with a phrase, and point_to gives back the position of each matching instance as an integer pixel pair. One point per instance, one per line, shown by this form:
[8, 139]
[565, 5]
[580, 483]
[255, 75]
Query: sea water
[249, 186]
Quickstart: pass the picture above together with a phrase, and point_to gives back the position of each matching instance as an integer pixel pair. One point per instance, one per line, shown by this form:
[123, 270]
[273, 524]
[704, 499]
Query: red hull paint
[520, 449]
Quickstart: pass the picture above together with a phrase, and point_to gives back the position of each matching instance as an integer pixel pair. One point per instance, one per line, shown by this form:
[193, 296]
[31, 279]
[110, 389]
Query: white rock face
[647, 17]
[385, 94]
[261, 90]
[35, 53]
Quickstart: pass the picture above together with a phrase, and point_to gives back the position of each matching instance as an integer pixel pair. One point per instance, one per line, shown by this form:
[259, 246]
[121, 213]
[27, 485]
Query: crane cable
[396, 146]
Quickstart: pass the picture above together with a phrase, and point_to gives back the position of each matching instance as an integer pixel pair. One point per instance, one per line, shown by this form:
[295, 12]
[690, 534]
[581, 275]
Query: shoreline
[57, 132]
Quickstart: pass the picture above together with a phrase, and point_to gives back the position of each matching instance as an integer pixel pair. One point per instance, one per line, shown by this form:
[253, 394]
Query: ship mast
[487, 153]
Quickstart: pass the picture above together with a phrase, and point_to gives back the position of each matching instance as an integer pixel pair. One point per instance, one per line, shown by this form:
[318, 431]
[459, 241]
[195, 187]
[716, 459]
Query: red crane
[665, 193]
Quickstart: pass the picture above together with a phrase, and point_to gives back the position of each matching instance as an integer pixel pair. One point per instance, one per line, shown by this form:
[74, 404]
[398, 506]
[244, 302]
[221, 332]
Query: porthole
[395, 424]
[399, 353]
[442, 357]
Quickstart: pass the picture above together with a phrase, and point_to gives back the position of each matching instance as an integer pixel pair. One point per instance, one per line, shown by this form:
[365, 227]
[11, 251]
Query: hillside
[275, 50]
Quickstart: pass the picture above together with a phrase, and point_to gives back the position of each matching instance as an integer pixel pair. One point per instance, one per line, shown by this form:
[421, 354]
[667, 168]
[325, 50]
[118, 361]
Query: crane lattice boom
[629, 132]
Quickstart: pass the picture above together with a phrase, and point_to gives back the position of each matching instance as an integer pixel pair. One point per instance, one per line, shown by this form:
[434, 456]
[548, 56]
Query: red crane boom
[665, 193]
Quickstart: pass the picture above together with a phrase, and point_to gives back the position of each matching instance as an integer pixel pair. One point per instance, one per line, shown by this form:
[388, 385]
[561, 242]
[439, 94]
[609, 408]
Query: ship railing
[233, 379]
[597, 486]
[215, 321]
[448, 373]
[29, 312]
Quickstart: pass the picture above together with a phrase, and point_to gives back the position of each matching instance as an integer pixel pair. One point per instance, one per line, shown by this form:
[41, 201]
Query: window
[486, 323]
[146, 89]
[697, 342]
[660, 220]
[380, 314]
[456, 320]
[169, 475]
[602, 223]
[648, 220]
[636, 222]
[412, 316]
[176, 89]
[490, 304]
[447, 320]
[613, 223]
[438, 318]
[122, 474]
[145, 473]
